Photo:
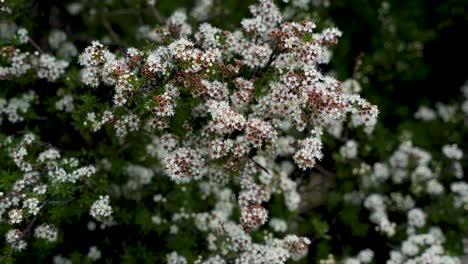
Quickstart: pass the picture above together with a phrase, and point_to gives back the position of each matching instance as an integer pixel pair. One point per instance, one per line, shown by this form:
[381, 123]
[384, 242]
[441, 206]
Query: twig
[35, 45]
[124, 11]
[62, 202]
[258, 164]
[323, 170]
[108, 26]
[357, 65]
[160, 18]
[28, 228]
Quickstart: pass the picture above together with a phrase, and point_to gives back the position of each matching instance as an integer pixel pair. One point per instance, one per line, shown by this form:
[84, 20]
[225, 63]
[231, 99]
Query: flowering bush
[186, 142]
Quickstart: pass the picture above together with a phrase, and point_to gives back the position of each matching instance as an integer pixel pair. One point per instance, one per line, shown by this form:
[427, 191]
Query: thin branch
[35, 45]
[357, 65]
[28, 228]
[258, 164]
[61, 202]
[124, 11]
[323, 170]
[108, 26]
[160, 18]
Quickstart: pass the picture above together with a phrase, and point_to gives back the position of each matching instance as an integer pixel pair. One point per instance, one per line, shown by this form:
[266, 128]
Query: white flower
[16, 216]
[366, 256]
[278, 225]
[425, 114]
[452, 151]
[45, 231]
[23, 35]
[349, 150]
[94, 254]
[101, 209]
[32, 204]
[175, 258]
[416, 217]
[309, 151]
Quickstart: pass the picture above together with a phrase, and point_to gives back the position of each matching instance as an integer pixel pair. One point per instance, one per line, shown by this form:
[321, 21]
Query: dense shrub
[226, 132]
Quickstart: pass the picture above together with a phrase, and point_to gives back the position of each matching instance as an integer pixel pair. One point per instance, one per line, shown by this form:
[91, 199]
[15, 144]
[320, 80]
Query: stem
[35, 45]
[160, 18]
[258, 164]
[61, 202]
[28, 228]
[357, 65]
[323, 170]
[108, 26]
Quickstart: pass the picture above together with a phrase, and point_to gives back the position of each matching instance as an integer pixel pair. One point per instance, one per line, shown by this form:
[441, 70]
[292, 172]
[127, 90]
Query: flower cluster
[426, 177]
[425, 247]
[413, 167]
[364, 256]
[253, 216]
[239, 123]
[16, 107]
[376, 205]
[18, 63]
[183, 165]
[41, 173]
[14, 238]
[309, 152]
[47, 232]
[101, 209]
